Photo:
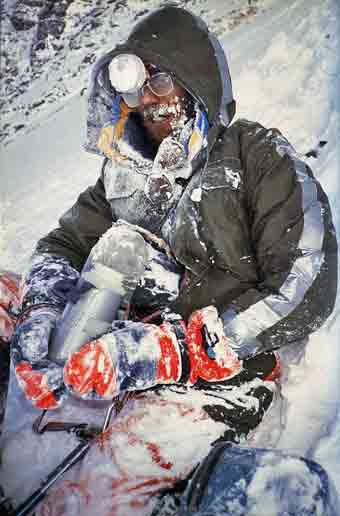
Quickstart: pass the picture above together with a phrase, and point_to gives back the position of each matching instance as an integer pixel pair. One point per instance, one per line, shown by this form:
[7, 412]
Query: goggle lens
[161, 84]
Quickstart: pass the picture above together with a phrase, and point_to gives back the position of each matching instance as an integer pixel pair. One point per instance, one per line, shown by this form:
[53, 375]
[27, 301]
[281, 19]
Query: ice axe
[87, 437]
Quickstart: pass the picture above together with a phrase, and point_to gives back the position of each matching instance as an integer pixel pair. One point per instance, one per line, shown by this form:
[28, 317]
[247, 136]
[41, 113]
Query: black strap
[180, 334]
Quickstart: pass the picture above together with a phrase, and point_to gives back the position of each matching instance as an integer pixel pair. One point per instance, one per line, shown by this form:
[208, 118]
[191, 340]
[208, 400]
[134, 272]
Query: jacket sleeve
[80, 227]
[294, 245]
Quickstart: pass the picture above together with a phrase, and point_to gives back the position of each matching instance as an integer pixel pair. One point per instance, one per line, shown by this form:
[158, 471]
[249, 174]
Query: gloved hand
[211, 357]
[46, 290]
[40, 379]
[136, 356]
[173, 161]
[187, 139]
[170, 156]
[159, 285]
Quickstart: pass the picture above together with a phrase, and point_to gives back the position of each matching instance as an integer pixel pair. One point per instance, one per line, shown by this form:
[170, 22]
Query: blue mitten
[47, 286]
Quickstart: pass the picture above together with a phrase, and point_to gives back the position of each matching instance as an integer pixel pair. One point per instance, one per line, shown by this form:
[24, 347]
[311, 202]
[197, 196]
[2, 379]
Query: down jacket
[252, 227]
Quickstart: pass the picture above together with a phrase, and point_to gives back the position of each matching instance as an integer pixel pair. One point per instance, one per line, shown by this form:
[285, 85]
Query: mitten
[137, 356]
[47, 286]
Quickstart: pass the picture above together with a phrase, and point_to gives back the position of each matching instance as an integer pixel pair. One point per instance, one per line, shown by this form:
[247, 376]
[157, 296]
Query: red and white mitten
[211, 357]
[137, 356]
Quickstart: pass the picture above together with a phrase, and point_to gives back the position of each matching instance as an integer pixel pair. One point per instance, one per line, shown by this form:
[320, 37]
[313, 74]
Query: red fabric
[91, 369]
[169, 364]
[7, 325]
[35, 386]
[224, 366]
[276, 372]
[10, 300]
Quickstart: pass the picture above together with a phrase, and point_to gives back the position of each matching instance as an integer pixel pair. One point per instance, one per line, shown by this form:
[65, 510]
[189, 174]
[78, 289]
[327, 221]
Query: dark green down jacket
[253, 227]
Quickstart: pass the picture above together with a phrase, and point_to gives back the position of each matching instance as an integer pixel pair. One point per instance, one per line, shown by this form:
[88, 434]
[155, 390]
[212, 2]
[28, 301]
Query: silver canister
[108, 279]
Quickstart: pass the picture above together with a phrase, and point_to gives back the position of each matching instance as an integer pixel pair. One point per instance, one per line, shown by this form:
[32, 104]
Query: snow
[233, 178]
[196, 195]
[284, 62]
[167, 281]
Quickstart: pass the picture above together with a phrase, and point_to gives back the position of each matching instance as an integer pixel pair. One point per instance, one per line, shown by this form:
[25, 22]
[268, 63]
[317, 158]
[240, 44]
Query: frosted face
[163, 115]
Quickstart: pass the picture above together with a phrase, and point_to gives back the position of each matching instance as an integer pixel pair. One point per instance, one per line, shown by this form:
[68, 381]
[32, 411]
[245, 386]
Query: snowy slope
[284, 60]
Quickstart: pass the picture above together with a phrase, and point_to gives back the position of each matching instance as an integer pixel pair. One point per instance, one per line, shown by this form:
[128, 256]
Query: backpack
[237, 481]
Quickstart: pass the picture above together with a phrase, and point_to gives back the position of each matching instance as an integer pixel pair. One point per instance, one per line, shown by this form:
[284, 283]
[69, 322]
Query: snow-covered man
[243, 261]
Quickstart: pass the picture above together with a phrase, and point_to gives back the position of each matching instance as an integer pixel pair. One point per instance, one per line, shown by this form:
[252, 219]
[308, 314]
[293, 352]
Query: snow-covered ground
[284, 61]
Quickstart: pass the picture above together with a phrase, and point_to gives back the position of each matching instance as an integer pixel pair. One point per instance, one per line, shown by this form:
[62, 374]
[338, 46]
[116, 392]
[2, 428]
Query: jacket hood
[177, 41]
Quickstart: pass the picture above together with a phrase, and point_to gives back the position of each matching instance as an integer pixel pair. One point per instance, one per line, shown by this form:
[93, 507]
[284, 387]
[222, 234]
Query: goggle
[160, 84]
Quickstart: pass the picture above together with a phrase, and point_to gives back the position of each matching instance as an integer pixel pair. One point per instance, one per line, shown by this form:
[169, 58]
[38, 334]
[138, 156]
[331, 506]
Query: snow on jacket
[252, 226]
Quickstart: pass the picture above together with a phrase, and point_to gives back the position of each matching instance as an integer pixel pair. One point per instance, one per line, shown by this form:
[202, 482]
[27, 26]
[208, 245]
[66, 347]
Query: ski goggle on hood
[129, 77]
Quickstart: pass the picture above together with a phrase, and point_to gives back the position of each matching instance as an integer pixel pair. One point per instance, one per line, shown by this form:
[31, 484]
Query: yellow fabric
[112, 133]
[125, 110]
[105, 141]
[195, 144]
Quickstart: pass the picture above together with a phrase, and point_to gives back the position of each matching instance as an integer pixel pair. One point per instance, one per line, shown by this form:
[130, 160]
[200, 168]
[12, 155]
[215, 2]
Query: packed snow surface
[284, 62]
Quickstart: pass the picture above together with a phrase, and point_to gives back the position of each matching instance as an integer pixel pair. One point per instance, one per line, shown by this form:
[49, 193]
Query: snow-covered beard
[177, 113]
[159, 112]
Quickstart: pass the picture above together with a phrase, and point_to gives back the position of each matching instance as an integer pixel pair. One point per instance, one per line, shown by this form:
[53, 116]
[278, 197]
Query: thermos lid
[127, 75]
